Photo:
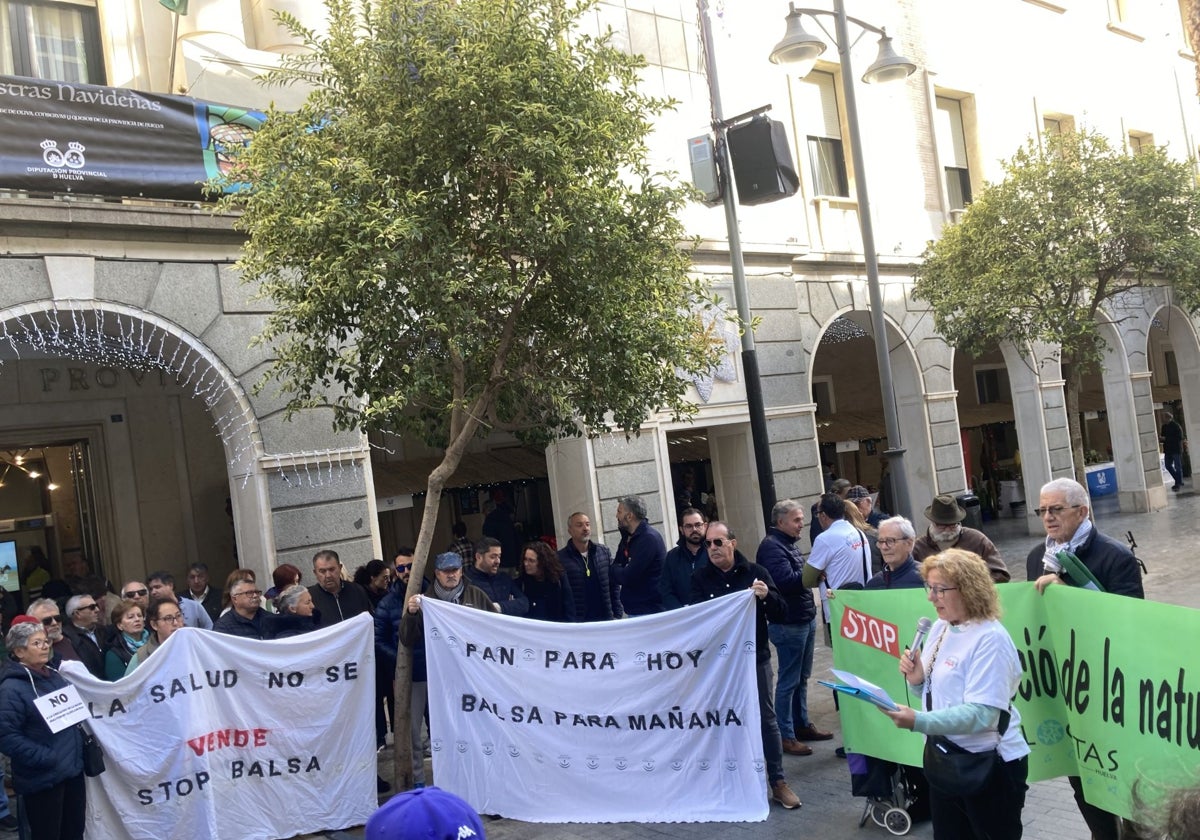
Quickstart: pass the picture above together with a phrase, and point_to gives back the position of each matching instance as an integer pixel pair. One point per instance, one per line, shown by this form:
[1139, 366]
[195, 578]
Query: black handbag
[953, 771]
[93, 756]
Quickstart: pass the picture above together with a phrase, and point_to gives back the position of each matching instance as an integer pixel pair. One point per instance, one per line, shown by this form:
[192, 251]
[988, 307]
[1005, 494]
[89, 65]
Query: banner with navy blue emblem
[70, 137]
[649, 719]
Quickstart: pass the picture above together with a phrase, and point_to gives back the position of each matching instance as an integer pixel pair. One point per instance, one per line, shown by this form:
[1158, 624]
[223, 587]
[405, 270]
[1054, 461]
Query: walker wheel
[897, 821]
[880, 811]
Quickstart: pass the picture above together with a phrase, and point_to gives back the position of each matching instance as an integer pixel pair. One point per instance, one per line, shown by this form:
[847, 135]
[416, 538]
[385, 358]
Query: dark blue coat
[1110, 562]
[501, 588]
[675, 584]
[637, 567]
[780, 556]
[40, 759]
[388, 613]
[908, 576]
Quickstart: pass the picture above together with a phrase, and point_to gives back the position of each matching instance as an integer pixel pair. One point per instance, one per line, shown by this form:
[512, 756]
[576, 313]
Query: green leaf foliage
[1073, 224]
[460, 228]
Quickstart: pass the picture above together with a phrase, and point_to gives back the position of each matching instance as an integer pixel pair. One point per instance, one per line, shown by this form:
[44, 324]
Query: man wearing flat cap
[947, 531]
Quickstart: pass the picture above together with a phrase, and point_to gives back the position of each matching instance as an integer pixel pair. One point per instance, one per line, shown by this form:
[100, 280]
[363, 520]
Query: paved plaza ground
[1165, 541]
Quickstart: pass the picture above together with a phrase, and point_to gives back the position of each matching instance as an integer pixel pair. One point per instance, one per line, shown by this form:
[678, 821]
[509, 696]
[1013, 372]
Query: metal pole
[891, 419]
[754, 396]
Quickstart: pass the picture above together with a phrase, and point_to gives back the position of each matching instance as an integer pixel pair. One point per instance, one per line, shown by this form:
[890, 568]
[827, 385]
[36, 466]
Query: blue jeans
[1173, 461]
[794, 646]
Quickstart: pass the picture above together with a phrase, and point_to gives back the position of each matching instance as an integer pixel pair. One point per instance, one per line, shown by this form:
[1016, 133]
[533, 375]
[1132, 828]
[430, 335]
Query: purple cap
[424, 814]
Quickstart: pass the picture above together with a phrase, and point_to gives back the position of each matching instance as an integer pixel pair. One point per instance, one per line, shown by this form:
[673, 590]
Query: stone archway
[111, 337]
[1171, 331]
[855, 374]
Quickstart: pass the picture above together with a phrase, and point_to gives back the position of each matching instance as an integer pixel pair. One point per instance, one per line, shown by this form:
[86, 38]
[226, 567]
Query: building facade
[130, 365]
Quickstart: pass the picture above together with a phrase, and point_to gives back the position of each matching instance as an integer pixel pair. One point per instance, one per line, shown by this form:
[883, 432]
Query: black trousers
[1102, 824]
[992, 814]
[57, 813]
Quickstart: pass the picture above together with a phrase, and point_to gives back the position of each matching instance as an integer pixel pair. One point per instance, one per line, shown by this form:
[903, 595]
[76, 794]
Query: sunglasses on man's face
[134, 593]
[52, 619]
[717, 543]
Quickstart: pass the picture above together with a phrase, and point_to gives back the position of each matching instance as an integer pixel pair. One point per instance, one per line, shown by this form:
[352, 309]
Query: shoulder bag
[950, 769]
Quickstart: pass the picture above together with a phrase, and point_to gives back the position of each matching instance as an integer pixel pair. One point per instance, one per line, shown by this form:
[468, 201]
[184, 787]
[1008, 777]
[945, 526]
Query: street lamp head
[799, 48]
[888, 66]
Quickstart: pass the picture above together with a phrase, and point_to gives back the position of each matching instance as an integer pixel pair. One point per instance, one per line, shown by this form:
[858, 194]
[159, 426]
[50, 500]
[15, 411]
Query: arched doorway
[121, 405]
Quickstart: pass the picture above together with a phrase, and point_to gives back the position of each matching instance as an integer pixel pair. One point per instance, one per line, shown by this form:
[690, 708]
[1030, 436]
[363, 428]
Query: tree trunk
[403, 754]
[1070, 372]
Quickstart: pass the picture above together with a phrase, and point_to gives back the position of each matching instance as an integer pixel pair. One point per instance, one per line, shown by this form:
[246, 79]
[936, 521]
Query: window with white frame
[817, 104]
[51, 40]
[952, 147]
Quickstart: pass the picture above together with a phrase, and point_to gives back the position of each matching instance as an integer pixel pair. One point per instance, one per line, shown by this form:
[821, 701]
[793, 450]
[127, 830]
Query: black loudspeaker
[762, 162]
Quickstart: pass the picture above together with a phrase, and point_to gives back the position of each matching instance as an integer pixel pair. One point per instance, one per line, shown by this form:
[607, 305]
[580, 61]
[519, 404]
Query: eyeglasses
[40, 643]
[888, 542]
[403, 568]
[717, 543]
[939, 591]
[254, 592]
[51, 619]
[87, 607]
[1055, 511]
[134, 593]
[177, 618]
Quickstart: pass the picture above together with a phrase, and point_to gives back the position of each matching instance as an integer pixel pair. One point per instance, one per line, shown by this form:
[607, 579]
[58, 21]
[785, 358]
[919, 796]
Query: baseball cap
[447, 560]
[858, 492]
[424, 814]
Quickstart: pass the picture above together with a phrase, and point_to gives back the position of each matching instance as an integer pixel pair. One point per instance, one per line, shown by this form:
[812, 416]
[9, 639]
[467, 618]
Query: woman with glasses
[47, 766]
[164, 617]
[129, 636]
[967, 674]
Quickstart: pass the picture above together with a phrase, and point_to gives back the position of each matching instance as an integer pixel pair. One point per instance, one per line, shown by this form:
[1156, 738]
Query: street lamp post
[754, 396]
[801, 49]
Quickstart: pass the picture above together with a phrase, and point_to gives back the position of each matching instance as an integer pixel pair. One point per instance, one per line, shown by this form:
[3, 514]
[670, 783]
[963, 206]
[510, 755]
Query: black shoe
[381, 786]
[840, 752]
[8, 823]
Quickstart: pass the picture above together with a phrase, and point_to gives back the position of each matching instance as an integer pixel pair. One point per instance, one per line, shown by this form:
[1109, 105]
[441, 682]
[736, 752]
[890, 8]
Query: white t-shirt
[976, 662]
[839, 552]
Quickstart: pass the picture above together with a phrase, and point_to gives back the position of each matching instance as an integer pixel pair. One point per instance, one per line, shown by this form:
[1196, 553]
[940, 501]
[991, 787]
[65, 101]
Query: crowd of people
[966, 674]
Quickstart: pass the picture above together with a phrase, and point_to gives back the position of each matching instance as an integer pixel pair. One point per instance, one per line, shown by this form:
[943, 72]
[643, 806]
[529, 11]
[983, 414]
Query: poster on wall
[90, 139]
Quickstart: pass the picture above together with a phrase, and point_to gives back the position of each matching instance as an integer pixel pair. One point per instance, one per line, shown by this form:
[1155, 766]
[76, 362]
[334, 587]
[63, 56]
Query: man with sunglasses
[1063, 506]
[137, 592]
[728, 571]
[46, 611]
[87, 636]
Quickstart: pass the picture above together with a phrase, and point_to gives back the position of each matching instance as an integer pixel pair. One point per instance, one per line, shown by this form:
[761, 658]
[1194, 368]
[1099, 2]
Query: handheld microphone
[914, 649]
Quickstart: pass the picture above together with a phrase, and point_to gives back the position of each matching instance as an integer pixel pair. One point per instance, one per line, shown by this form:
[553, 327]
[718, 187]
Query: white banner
[650, 719]
[216, 736]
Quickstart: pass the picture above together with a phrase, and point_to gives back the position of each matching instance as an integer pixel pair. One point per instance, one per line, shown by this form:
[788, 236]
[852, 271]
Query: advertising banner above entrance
[71, 137]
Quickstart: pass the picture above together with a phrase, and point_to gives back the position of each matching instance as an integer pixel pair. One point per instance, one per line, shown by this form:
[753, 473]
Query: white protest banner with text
[649, 719]
[216, 736]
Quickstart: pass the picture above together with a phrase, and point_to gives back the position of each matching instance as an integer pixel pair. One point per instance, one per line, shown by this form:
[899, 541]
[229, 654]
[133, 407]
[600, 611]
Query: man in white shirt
[840, 558]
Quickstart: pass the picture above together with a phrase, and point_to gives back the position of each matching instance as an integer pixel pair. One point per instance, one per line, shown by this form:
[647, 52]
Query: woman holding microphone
[975, 757]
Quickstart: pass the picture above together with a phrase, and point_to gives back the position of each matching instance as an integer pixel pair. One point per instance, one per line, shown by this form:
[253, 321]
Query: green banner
[1110, 689]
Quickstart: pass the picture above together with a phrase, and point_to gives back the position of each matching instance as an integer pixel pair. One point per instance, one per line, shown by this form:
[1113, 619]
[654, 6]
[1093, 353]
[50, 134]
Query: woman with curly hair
[544, 584]
[968, 673]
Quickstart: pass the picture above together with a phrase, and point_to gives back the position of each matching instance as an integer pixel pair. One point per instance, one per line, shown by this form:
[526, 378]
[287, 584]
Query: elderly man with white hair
[1063, 506]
